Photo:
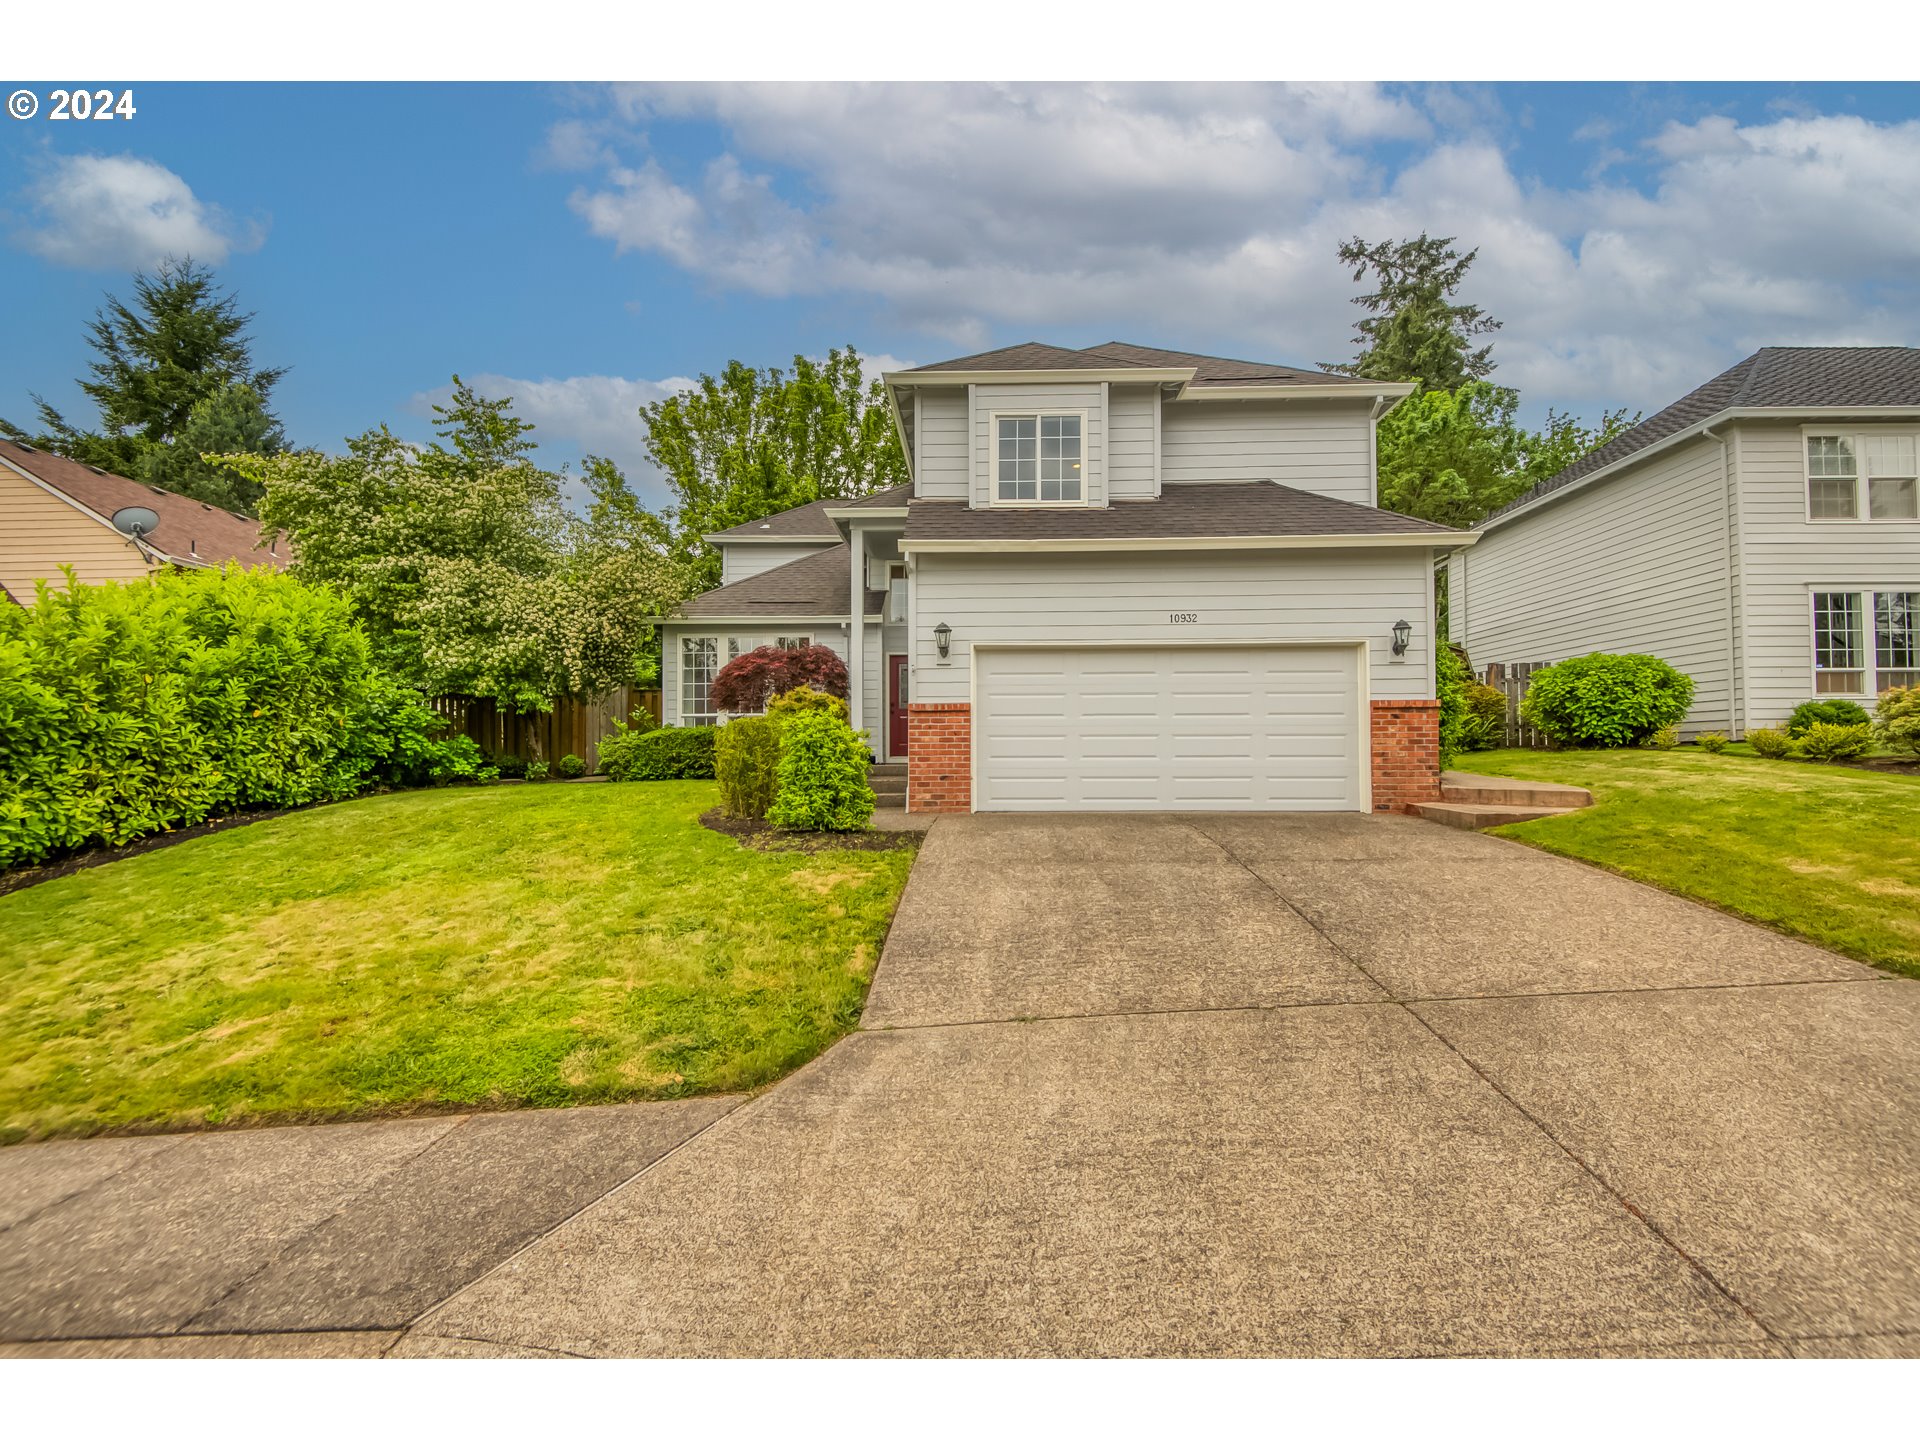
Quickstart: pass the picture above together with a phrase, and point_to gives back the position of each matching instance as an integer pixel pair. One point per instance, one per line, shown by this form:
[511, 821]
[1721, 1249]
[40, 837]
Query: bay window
[1845, 661]
[1874, 475]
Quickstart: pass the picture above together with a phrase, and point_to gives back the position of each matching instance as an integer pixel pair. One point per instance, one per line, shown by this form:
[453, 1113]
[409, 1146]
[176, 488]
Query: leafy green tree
[174, 371]
[1455, 456]
[1416, 330]
[749, 443]
[463, 564]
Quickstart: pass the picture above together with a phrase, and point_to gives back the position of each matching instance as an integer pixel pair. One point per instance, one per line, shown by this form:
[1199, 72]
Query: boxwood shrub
[1896, 719]
[1600, 701]
[669, 753]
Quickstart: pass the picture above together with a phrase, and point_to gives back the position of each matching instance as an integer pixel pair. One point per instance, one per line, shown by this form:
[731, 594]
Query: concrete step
[1458, 787]
[1483, 817]
[884, 801]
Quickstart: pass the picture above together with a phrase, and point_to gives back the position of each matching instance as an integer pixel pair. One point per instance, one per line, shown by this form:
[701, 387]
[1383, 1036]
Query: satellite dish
[135, 520]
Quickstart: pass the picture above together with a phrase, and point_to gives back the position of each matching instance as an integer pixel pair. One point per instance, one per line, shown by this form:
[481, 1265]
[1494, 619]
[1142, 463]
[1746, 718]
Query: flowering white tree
[468, 572]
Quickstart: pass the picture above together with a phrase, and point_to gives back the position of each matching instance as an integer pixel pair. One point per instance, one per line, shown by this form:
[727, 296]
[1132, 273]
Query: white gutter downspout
[1729, 502]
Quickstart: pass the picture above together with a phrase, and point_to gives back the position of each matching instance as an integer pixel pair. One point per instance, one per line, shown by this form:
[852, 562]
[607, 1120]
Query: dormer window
[1039, 459]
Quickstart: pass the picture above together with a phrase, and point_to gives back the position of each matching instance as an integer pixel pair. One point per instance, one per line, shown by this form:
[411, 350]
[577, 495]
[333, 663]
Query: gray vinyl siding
[1324, 447]
[873, 701]
[941, 458]
[743, 562]
[1036, 399]
[1788, 557]
[1133, 442]
[831, 634]
[1638, 563]
[1237, 595]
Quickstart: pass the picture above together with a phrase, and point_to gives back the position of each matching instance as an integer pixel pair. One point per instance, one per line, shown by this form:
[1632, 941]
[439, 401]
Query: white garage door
[1168, 728]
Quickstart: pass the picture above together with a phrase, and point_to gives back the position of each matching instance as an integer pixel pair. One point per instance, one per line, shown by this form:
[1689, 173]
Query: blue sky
[586, 247]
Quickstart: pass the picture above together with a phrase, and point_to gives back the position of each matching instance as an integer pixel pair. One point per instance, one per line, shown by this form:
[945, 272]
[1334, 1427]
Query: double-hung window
[1039, 459]
[1871, 476]
[1845, 660]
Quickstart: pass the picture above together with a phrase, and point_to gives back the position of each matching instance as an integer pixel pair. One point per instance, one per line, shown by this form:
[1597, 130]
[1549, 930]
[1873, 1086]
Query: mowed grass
[1825, 852]
[526, 945]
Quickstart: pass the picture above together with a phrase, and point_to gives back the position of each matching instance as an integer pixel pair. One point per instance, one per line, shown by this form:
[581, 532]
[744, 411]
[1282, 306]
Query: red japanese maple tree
[746, 682]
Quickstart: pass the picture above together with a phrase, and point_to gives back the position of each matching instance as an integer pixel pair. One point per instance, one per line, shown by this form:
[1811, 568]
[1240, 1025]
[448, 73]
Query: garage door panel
[1168, 728]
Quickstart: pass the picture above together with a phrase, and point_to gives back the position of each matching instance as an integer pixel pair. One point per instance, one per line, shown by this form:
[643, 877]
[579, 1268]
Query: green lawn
[1821, 851]
[519, 945]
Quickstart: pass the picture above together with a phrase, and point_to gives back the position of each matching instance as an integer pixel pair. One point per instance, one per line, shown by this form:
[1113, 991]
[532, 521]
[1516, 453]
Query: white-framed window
[699, 663]
[1039, 458]
[793, 642]
[1868, 475]
[1846, 660]
[896, 593]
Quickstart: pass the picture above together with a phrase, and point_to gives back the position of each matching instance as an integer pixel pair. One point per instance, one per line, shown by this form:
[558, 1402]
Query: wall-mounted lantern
[943, 638]
[1402, 633]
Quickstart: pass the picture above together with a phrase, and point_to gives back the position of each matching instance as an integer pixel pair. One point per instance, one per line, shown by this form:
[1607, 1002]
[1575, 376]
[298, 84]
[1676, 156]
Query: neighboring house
[55, 511]
[1761, 534]
[1120, 579]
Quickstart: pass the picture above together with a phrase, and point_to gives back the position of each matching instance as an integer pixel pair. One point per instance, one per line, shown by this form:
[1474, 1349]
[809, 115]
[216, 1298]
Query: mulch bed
[12, 880]
[1885, 764]
[758, 835]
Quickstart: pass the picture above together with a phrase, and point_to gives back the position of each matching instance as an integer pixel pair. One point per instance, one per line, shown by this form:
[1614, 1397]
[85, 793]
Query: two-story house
[1120, 579]
[1761, 534]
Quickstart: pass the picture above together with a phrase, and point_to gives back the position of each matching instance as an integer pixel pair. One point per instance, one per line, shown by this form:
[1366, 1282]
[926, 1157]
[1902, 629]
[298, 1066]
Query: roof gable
[1124, 355]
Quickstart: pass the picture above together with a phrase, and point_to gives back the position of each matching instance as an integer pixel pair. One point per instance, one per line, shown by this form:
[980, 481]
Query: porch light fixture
[1402, 633]
[943, 638]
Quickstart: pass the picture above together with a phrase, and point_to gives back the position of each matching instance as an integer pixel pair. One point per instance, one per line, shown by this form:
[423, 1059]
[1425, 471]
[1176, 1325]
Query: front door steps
[889, 782]
[1476, 802]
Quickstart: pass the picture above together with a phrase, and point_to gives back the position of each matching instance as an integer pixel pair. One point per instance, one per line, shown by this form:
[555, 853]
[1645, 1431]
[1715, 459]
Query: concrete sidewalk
[1223, 1085]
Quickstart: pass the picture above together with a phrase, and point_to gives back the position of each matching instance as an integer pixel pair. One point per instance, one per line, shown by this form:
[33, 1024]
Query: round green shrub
[823, 776]
[1451, 676]
[1828, 743]
[1770, 743]
[536, 770]
[746, 762]
[1828, 712]
[1600, 701]
[571, 767]
[1712, 741]
[1896, 719]
[805, 700]
[669, 753]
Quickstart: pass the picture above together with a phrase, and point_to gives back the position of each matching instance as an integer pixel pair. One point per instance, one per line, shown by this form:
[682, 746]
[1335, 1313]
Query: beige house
[55, 512]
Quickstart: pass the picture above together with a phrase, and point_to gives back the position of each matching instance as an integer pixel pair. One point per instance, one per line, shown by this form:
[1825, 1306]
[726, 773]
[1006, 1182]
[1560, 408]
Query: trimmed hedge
[1599, 701]
[130, 709]
[669, 753]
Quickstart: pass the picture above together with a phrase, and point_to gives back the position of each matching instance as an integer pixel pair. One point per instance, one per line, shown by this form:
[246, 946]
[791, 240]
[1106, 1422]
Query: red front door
[896, 705]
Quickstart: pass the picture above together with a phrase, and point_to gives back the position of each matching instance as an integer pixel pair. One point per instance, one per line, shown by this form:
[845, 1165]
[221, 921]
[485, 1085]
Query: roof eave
[1118, 375]
[721, 537]
[1345, 390]
[1412, 540]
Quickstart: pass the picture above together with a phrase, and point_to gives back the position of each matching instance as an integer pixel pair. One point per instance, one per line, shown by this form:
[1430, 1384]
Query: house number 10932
[1183, 617]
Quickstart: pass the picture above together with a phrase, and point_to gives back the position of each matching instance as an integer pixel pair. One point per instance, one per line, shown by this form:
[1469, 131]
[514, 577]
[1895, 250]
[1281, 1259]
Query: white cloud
[1209, 216]
[122, 212]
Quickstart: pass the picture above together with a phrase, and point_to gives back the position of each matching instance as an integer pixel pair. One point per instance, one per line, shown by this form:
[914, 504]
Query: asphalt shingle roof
[813, 586]
[803, 522]
[1120, 355]
[1779, 377]
[1201, 510]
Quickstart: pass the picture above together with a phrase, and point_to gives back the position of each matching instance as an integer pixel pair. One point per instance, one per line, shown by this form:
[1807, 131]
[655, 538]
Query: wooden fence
[1512, 680]
[574, 726]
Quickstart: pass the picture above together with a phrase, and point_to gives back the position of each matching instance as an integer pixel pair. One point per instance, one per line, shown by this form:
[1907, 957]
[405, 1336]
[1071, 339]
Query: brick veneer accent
[1406, 753]
[940, 758]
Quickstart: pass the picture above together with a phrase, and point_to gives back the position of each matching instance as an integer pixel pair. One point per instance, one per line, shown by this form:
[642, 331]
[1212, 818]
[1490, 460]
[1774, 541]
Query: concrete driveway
[1226, 1085]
